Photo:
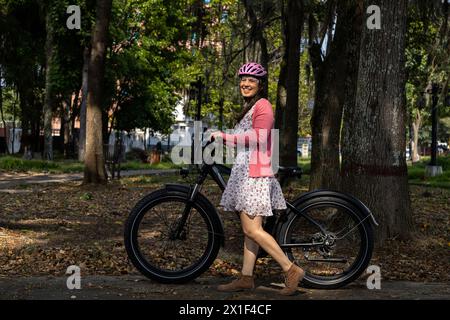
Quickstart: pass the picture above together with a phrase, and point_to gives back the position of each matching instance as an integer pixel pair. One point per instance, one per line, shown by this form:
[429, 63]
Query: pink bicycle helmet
[252, 69]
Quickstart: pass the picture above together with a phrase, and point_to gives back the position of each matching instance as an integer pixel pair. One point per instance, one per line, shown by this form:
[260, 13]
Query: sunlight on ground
[10, 240]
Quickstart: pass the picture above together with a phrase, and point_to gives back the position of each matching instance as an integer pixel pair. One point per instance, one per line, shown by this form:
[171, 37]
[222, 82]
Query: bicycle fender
[186, 189]
[332, 193]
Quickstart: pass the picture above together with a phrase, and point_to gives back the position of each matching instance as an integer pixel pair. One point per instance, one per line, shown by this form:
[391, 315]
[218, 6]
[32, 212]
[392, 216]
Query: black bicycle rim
[361, 257]
[161, 273]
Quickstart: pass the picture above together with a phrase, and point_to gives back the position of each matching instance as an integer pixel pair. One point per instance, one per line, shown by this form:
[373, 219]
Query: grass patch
[416, 173]
[305, 164]
[17, 164]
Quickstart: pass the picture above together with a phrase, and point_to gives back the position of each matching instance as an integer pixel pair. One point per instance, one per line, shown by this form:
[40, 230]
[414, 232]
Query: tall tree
[373, 148]
[84, 91]
[332, 74]
[23, 60]
[49, 99]
[2, 115]
[94, 168]
[286, 115]
[428, 60]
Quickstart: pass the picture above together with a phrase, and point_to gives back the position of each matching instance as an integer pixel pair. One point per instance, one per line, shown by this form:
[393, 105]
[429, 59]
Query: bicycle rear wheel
[158, 251]
[337, 254]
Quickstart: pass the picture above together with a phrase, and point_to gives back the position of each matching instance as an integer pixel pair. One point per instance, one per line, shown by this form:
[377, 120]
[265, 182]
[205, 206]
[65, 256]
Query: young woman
[252, 189]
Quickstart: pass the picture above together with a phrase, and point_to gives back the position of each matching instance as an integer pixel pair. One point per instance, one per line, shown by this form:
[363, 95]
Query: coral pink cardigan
[259, 136]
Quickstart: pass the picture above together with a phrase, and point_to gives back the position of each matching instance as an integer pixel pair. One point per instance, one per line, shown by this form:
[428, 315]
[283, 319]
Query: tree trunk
[75, 113]
[1, 110]
[48, 103]
[331, 77]
[373, 150]
[415, 139]
[14, 124]
[94, 168]
[25, 140]
[145, 139]
[82, 134]
[288, 83]
[37, 109]
[66, 132]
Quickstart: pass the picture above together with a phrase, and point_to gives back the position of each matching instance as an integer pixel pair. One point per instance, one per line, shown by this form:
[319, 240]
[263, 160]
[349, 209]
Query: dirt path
[203, 288]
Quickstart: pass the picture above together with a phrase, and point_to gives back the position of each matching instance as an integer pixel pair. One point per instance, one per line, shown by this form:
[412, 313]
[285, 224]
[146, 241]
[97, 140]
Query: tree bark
[94, 168]
[82, 132]
[75, 113]
[1, 110]
[331, 77]
[48, 103]
[286, 115]
[25, 140]
[14, 125]
[67, 126]
[415, 157]
[374, 140]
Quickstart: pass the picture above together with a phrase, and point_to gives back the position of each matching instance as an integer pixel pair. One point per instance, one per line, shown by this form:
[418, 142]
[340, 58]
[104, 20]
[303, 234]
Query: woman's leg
[246, 280]
[250, 255]
[252, 227]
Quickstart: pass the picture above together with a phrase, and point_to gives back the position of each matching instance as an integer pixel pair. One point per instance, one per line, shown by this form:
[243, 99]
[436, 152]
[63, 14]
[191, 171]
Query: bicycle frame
[272, 223]
[214, 172]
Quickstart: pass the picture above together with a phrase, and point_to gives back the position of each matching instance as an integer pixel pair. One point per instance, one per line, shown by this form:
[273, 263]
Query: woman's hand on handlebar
[213, 136]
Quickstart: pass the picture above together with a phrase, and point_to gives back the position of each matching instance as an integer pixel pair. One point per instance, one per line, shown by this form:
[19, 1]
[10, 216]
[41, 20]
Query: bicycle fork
[178, 230]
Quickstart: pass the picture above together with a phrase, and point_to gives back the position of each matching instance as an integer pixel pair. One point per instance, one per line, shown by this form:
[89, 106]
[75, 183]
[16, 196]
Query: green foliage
[147, 63]
[22, 39]
[68, 45]
[146, 56]
[417, 64]
[15, 164]
[416, 173]
[426, 57]
[86, 196]
[305, 164]
[444, 130]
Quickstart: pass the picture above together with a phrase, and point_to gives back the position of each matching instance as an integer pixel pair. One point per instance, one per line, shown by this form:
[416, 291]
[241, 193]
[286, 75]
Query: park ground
[46, 227]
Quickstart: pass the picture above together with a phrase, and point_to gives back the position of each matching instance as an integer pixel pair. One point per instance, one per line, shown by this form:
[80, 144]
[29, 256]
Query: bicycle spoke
[329, 254]
[158, 243]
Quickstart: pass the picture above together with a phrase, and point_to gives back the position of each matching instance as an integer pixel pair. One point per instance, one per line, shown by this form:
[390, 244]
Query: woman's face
[249, 86]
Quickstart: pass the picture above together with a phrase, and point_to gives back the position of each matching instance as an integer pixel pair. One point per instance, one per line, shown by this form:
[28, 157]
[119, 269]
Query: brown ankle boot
[241, 283]
[292, 277]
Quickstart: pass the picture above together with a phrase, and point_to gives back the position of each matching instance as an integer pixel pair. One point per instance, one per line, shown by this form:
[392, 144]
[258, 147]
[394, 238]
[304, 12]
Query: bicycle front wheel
[335, 253]
[161, 249]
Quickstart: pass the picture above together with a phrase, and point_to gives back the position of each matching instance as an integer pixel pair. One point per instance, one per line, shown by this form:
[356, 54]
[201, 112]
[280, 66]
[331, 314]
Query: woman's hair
[248, 104]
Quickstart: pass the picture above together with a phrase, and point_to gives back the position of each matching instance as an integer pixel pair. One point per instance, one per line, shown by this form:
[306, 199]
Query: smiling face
[249, 86]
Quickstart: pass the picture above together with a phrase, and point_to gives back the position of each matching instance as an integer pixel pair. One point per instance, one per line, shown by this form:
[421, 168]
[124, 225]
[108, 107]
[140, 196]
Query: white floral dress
[257, 196]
